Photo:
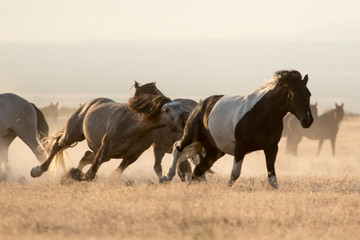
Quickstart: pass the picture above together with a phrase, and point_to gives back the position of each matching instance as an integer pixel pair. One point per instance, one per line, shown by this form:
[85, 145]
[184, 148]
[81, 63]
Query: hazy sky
[79, 20]
[210, 47]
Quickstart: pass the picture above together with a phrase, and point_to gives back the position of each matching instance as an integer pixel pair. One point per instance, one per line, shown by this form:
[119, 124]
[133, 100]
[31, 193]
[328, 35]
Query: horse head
[339, 112]
[175, 116]
[298, 98]
[148, 88]
[160, 108]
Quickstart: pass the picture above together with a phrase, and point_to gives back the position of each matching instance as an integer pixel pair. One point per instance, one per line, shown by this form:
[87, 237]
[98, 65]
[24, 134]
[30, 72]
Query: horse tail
[42, 125]
[59, 159]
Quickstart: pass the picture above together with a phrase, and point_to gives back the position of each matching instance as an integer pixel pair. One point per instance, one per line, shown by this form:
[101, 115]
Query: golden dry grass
[318, 198]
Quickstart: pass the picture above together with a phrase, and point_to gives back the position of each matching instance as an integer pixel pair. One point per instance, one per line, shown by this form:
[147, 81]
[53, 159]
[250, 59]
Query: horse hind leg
[86, 159]
[4, 150]
[212, 154]
[321, 141]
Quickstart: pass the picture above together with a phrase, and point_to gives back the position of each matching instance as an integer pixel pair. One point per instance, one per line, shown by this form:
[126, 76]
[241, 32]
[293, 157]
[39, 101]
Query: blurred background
[72, 51]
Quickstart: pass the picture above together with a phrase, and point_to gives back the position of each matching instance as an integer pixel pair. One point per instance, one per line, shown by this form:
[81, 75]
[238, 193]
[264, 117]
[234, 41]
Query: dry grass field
[318, 198]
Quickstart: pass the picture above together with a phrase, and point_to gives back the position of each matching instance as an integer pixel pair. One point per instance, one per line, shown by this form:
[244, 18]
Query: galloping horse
[238, 125]
[94, 119]
[326, 126]
[20, 118]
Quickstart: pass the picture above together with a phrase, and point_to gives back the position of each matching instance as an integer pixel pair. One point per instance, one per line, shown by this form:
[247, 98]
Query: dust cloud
[345, 163]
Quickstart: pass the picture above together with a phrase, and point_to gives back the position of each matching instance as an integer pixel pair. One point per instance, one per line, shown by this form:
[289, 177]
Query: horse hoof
[36, 172]
[164, 179]
[75, 174]
[273, 182]
[89, 176]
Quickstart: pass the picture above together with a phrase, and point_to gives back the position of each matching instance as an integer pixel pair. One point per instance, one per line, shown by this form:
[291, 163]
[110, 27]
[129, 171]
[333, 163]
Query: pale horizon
[190, 48]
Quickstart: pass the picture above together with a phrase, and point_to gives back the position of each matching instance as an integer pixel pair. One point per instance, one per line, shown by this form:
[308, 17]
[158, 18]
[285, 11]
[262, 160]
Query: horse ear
[136, 85]
[342, 104]
[154, 83]
[57, 104]
[306, 79]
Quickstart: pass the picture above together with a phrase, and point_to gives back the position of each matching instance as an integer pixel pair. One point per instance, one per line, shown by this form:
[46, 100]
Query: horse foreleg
[270, 155]
[158, 154]
[172, 170]
[127, 161]
[86, 159]
[4, 165]
[321, 141]
[333, 141]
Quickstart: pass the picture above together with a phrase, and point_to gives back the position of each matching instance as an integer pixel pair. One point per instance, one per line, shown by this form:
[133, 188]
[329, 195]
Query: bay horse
[238, 125]
[101, 114]
[20, 118]
[326, 126]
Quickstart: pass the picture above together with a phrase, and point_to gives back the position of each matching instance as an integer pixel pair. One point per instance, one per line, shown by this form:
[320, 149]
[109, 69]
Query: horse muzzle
[306, 122]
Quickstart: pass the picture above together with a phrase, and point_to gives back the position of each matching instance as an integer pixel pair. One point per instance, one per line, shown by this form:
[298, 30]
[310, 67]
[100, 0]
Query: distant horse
[238, 125]
[20, 118]
[326, 126]
[118, 129]
[50, 111]
[292, 127]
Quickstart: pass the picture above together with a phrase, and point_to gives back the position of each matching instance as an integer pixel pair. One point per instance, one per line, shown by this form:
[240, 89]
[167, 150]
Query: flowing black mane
[148, 105]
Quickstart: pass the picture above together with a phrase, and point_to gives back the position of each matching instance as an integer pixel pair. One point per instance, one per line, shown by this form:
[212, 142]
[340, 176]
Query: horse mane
[147, 104]
[282, 77]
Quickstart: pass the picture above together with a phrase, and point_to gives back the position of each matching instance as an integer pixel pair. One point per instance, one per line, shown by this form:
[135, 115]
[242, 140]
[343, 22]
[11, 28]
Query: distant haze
[72, 51]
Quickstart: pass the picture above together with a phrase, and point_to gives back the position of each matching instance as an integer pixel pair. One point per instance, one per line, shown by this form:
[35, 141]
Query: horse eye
[166, 109]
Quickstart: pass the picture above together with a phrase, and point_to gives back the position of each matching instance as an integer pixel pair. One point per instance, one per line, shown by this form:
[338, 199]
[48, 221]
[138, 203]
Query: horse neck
[274, 107]
[153, 124]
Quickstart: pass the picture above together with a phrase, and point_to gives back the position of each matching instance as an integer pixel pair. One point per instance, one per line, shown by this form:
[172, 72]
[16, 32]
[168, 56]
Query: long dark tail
[42, 125]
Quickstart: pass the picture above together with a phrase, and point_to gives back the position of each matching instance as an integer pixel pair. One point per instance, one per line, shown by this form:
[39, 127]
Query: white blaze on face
[228, 111]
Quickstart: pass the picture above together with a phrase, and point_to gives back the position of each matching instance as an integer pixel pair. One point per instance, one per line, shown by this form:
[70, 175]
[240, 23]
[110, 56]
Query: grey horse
[20, 118]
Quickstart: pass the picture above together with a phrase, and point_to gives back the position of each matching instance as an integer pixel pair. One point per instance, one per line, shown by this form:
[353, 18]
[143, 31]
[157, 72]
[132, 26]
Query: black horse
[238, 125]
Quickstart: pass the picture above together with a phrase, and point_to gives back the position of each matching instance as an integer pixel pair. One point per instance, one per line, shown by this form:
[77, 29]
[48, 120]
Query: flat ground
[318, 198]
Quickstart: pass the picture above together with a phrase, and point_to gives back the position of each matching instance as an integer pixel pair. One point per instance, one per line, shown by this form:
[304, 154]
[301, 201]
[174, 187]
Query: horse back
[15, 111]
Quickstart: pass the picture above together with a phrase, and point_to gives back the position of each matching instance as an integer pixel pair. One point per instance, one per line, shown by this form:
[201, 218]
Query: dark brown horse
[238, 125]
[326, 126]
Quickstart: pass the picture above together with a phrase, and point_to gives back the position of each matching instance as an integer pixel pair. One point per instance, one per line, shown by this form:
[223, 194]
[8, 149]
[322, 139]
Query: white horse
[20, 118]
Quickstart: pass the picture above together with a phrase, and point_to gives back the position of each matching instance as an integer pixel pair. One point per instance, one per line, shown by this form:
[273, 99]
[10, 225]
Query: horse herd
[202, 132]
